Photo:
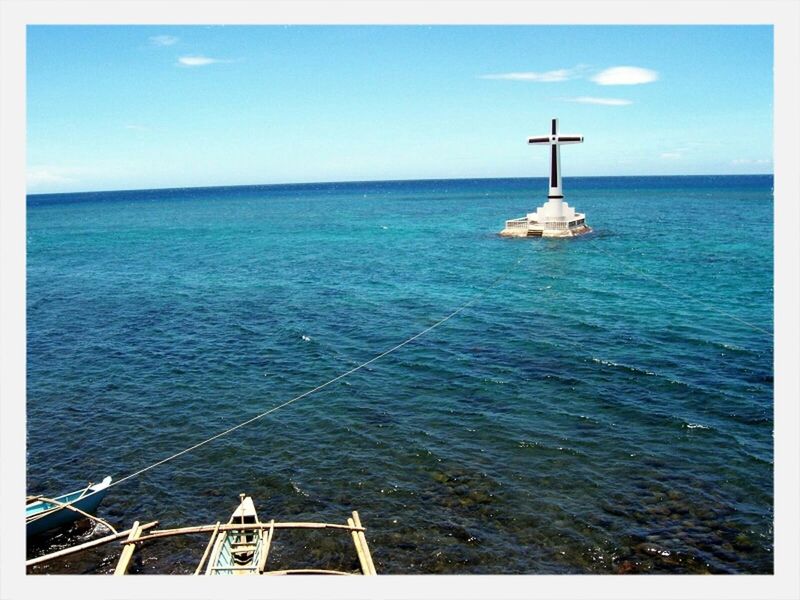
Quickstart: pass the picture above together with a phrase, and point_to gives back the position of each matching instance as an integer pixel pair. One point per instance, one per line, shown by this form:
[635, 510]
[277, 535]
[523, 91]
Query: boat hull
[238, 552]
[42, 516]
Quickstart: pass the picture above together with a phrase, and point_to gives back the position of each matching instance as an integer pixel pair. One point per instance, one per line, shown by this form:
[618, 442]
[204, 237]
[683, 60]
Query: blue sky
[124, 107]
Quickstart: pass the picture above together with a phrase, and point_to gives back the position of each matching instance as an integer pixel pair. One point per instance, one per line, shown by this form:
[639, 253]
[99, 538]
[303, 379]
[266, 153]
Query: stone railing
[517, 223]
[550, 224]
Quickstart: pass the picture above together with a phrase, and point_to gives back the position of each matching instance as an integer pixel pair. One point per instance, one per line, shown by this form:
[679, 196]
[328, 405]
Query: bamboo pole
[305, 572]
[208, 549]
[262, 560]
[98, 542]
[292, 525]
[127, 551]
[363, 539]
[237, 527]
[70, 507]
[86, 489]
[362, 559]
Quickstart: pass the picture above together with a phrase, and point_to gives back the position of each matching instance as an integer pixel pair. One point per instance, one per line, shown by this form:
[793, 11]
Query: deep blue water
[581, 417]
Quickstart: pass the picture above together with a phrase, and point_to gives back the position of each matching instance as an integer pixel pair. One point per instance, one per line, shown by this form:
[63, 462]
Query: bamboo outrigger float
[239, 547]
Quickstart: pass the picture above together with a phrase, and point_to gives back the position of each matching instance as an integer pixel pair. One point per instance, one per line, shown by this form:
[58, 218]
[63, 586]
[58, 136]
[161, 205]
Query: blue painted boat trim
[42, 516]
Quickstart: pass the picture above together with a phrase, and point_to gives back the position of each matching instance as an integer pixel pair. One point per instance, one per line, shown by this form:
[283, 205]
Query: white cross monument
[555, 218]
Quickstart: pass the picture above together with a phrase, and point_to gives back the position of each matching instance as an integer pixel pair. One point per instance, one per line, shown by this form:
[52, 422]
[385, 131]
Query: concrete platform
[535, 231]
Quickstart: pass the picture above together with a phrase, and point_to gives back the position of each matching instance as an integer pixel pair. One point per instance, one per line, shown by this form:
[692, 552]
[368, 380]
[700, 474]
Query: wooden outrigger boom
[207, 550]
[127, 551]
[360, 541]
[162, 533]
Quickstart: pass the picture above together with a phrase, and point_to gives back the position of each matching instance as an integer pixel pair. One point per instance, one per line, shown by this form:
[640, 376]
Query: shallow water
[581, 417]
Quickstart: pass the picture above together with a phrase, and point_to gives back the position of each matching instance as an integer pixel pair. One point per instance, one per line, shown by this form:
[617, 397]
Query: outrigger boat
[240, 551]
[43, 514]
[239, 547]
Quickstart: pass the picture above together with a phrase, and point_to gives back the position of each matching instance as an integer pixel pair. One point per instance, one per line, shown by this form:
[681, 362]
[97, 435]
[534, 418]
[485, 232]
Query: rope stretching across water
[441, 321]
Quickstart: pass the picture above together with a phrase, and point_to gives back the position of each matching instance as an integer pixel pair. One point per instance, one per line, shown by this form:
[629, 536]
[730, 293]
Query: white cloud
[604, 101]
[625, 76]
[750, 161]
[544, 77]
[671, 155]
[163, 40]
[199, 61]
[39, 177]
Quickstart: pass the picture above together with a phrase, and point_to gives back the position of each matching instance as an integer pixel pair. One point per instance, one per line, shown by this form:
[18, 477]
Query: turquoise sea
[607, 407]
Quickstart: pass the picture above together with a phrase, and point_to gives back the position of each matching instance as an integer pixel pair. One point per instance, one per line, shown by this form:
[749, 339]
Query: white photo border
[783, 15]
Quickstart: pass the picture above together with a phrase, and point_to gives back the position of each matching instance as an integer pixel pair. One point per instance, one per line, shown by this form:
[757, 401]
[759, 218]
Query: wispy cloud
[199, 61]
[134, 127]
[671, 155]
[603, 101]
[41, 176]
[625, 76]
[622, 75]
[750, 161]
[543, 77]
[163, 40]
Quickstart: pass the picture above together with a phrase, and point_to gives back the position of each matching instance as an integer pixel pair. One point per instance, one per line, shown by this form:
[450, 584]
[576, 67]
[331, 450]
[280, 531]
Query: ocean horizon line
[374, 181]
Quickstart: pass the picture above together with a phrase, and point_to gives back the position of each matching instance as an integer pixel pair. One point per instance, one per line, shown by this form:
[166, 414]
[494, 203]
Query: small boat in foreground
[240, 551]
[239, 547]
[43, 514]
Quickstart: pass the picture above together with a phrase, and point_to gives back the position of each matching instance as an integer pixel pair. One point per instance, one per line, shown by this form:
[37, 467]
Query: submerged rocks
[464, 489]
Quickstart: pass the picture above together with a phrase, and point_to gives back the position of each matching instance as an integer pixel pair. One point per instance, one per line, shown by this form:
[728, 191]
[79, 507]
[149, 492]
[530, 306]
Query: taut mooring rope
[441, 321]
